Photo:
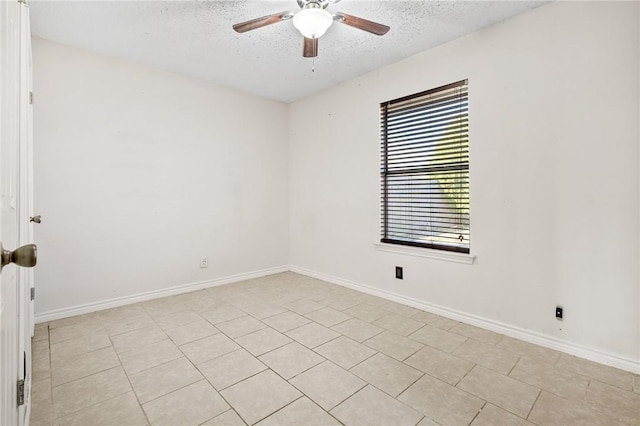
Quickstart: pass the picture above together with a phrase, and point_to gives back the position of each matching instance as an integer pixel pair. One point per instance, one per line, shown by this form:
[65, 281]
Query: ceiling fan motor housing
[316, 3]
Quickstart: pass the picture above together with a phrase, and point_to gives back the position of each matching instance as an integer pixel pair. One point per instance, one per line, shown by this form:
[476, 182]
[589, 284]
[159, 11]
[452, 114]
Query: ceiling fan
[313, 20]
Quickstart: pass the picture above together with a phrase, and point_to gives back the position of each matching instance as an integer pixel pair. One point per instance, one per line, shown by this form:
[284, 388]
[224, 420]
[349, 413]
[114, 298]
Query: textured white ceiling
[195, 38]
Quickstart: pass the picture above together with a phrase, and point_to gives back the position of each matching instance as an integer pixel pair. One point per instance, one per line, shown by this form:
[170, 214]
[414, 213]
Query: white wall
[139, 172]
[554, 178]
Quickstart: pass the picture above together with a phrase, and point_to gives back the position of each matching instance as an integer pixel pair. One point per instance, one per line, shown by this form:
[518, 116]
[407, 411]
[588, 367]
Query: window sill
[428, 253]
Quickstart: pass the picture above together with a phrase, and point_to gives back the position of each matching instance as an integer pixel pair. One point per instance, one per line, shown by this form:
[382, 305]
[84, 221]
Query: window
[425, 169]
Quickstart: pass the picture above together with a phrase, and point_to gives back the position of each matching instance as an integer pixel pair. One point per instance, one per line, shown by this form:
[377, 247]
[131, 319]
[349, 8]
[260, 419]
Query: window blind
[425, 169]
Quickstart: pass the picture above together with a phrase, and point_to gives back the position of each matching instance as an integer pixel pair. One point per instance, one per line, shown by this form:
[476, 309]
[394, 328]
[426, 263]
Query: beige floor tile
[61, 334]
[622, 404]
[316, 294]
[440, 364]
[345, 352]
[400, 309]
[286, 321]
[600, 372]
[208, 348]
[74, 396]
[189, 332]
[340, 303]
[263, 341]
[191, 405]
[366, 312]
[505, 392]
[399, 324]
[435, 320]
[260, 396]
[327, 384]
[291, 360]
[303, 306]
[438, 338]
[493, 416]
[476, 333]
[327, 316]
[426, 421]
[387, 374]
[41, 415]
[192, 296]
[79, 345]
[240, 326]
[357, 329]
[636, 383]
[441, 402]
[40, 369]
[312, 335]
[489, 356]
[376, 301]
[231, 368]
[206, 304]
[163, 379]
[83, 365]
[551, 410]
[222, 313]
[41, 402]
[261, 309]
[228, 418]
[372, 407]
[41, 392]
[124, 325]
[122, 410]
[394, 345]
[176, 319]
[41, 332]
[300, 412]
[76, 319]
[165, 306]
[529, 350]
[121, 312]
[555, 380]
[145, 357]
[133, 339]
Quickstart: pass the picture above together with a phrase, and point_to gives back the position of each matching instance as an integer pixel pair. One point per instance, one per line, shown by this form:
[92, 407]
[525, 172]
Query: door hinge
[33, 293]
[31, 98]
[20, 389]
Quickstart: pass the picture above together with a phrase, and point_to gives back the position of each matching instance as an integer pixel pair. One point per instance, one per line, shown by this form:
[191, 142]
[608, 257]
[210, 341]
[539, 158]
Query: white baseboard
[498, 327]
[141, 297]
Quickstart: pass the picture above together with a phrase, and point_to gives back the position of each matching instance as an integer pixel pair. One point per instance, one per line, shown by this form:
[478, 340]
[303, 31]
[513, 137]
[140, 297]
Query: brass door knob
[25, 256]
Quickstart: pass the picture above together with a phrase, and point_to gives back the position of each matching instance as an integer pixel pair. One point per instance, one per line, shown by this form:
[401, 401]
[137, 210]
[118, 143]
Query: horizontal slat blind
[425, 169]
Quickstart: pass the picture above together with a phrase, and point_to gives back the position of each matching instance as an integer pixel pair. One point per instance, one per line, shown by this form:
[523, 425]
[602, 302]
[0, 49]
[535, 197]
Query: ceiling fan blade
[310, 48]
[361, 24]
[262, 22]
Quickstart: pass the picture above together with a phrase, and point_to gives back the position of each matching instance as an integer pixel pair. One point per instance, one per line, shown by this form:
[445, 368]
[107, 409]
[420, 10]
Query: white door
[25, 226]
[15, 348]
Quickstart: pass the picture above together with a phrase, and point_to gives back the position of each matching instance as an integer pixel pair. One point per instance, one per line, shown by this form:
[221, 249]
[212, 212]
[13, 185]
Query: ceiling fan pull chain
[313, 67]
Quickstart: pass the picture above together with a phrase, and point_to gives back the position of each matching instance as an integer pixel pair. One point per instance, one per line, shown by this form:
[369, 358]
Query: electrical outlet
[204, 262]
[399, 272]
[559, 313]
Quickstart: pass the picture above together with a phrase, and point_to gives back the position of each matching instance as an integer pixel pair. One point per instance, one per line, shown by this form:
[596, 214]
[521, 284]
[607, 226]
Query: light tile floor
[291, 350]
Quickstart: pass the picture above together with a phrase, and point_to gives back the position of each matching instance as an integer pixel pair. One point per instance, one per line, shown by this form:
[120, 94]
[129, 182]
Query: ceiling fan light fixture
[312, 22]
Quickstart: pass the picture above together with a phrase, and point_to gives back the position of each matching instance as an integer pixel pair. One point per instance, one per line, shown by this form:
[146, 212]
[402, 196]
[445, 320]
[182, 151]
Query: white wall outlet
[204, 262]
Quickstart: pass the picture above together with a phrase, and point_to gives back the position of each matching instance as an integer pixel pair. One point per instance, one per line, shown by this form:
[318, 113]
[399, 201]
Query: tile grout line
[478, 412]
[533, 405]
[144, 413]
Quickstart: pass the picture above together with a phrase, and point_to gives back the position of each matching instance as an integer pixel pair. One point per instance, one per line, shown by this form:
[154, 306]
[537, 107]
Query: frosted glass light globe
[312, 22]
